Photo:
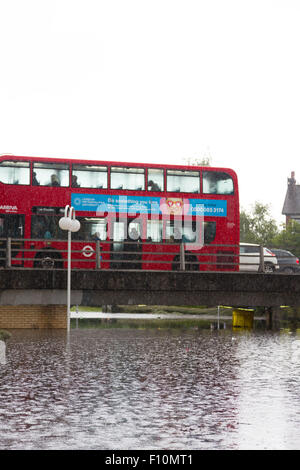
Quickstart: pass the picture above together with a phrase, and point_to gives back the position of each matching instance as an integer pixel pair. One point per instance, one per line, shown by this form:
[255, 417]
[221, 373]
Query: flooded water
[150, 389]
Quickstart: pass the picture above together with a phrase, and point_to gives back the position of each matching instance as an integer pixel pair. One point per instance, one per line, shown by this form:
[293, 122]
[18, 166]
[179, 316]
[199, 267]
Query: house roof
[291, 204]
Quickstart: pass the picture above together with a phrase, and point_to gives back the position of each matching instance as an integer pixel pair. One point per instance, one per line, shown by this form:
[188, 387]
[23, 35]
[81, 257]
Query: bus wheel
[2, 258]
[191, 262]
[176, 263]
[47, 261]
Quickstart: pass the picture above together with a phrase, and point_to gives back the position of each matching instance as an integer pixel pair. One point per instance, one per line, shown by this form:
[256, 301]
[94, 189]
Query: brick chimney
[291, 180]
[291, 194]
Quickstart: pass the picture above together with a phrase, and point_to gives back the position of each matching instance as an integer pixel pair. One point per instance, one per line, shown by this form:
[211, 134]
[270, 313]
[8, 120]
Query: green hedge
[4, 335]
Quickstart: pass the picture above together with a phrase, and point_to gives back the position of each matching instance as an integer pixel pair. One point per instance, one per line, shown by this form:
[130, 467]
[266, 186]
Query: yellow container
[242, 318]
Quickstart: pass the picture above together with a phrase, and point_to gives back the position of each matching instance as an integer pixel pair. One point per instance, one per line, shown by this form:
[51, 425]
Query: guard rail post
[261, 268]
[98, 255]
[8, 252]
[182, 257]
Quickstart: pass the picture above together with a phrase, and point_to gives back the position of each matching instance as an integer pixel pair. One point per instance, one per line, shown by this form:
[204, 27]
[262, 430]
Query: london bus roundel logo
[87, 251]
[77, 201]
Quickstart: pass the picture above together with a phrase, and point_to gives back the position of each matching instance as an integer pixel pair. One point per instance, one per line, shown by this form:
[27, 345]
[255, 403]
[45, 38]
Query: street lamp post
[68, 222]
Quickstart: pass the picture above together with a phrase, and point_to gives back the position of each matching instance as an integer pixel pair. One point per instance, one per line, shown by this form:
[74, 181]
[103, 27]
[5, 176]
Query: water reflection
[2, 352]
[150, 389]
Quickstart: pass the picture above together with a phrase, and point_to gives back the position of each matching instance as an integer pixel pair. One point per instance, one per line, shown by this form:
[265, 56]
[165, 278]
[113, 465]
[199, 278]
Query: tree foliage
[289, 238]
[197, 161]
[258, 226]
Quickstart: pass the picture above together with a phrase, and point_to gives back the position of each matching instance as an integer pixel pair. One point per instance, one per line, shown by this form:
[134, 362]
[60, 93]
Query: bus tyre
[176, 263]
[191, 263]
[2, 258]
[47, 261]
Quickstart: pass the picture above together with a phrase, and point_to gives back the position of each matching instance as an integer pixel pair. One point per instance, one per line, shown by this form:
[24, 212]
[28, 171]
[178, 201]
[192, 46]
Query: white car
[250, 258]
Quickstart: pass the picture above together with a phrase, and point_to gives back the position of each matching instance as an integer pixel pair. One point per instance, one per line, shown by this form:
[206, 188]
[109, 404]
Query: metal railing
[52, 254]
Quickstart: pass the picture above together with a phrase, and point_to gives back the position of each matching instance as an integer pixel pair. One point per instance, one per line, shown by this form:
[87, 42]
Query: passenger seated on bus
[96, 236]
[133, 234]
[177, 234]
[38, 230]
[74, 182]
[54, 180]
[153, 186]
[34, 180]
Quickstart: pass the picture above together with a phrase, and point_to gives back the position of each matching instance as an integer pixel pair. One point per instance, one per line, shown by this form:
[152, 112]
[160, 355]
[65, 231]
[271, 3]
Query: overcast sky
[156, 81]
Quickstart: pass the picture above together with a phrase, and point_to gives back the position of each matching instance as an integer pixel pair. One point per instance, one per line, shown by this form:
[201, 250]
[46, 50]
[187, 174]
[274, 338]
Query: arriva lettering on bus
[8, 208]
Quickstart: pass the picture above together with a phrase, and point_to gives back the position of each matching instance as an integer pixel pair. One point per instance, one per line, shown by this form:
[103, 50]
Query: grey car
[288, 262]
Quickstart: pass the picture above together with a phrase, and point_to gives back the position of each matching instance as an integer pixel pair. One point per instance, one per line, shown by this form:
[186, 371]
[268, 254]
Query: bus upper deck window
[50, 174]
[155, 179]
[127, 178]
[183, 181]
[89, 176]
[14, 172]
[217, 182]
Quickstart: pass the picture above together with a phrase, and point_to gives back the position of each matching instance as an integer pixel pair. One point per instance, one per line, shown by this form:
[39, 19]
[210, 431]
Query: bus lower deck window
[154, 231]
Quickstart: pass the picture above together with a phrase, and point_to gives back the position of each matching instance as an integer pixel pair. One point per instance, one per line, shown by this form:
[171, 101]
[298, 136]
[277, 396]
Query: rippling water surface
[150, 389]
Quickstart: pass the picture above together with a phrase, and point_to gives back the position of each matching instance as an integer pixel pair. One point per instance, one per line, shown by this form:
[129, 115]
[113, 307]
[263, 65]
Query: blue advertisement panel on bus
[148, 205]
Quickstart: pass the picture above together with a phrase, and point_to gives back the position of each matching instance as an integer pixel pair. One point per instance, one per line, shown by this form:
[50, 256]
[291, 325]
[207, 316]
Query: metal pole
[261, 259]
[98, 259]
[69, 223]
[8, 252]
[182, 257]
[69, 281]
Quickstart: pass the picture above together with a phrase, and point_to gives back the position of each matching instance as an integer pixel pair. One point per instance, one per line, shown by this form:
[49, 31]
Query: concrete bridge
[40, 292]
[94, 288]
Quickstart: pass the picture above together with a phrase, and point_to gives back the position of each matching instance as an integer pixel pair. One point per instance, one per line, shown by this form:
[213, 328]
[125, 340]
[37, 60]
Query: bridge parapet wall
[20, 287]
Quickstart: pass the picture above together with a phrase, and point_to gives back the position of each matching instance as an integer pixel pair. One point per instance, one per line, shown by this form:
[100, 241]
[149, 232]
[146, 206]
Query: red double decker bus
[132, 215]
